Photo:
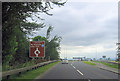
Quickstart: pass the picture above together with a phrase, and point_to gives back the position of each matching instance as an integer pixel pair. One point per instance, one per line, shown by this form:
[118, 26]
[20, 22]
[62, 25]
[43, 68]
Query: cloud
[85, 24]
[92, 51]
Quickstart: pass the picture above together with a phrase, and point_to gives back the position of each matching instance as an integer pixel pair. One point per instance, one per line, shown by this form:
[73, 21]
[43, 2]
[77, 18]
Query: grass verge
[89, 63]
[22, 65]
[31, 75]
[108, 64]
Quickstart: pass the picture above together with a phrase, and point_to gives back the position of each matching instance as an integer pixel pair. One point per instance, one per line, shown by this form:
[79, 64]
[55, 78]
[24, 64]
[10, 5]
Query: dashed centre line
[74, 67]
[77, 70]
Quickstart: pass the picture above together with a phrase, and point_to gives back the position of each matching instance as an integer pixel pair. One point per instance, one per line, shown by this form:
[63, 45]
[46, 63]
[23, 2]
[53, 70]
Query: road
[77, 70]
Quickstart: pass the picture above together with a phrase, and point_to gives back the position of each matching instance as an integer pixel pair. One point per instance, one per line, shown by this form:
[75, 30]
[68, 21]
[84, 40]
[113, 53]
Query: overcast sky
[87, 28]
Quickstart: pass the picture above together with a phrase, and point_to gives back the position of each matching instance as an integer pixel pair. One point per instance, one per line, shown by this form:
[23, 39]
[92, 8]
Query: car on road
[64, 61]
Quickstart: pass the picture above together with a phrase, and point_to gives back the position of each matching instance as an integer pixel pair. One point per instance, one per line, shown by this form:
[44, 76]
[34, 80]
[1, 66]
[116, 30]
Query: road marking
[89, 80]
[79, 72]
[74, 67]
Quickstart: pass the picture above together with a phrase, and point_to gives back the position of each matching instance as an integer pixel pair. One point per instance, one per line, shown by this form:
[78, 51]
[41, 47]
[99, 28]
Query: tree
[52, 46]
[39, 38]
[48, 32]
[16, 26]
[22, 53]
[16, 14]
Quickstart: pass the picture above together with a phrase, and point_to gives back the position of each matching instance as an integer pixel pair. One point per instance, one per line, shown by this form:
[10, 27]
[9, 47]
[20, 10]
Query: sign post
[37, 49]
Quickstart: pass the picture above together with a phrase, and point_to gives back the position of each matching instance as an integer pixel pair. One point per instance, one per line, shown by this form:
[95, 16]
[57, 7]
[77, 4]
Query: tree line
[52, 46]
[16, 28]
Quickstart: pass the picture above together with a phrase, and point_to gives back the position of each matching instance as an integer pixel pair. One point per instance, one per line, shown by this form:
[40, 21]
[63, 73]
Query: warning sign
[37, 49]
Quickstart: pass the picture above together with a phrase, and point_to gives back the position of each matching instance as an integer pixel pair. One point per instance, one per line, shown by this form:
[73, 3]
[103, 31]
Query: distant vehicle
[64, 61]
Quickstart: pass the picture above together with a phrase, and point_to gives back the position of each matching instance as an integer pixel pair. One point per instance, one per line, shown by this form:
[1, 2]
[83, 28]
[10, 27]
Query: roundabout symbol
[37, 49]
[36, 52]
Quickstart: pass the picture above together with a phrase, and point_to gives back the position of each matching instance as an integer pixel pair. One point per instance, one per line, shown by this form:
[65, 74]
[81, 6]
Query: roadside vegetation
[90, 63]
[118, 61]
[26, 64]
[31, 75]
[108, 64]
[115, 61]
[18, 24]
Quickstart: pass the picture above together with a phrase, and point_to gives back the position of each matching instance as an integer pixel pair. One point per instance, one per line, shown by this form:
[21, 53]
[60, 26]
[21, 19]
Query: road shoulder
[104, 67]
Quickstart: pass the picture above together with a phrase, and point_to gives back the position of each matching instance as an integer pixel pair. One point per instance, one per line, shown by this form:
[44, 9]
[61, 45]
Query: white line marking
[79, 72]
[89, 80]
[74, 67]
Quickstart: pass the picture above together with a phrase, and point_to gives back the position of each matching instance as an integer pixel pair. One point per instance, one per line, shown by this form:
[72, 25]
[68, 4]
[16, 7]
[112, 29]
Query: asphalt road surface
[77, 70]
